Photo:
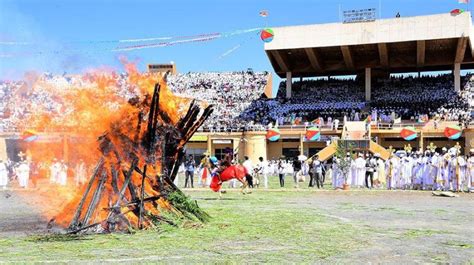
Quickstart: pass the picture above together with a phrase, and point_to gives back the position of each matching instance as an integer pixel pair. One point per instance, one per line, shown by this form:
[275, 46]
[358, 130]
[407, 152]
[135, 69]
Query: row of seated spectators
[239, 100]
[18, 99]
[230, 92]
[398, 98]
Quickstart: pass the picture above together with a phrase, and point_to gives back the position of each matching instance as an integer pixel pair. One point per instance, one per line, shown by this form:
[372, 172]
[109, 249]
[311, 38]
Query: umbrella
[302, 157]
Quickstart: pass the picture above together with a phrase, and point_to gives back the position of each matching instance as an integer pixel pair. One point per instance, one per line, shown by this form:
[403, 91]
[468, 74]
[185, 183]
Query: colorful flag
[464, 1]
[29, 135]
[273, 135]
[267, 35]
[453, 132]
[313, 134]
[263, 13]
[456, 11]
[408, 133]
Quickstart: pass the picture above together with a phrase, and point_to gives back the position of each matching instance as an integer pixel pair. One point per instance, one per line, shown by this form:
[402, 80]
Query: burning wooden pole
[128, 147]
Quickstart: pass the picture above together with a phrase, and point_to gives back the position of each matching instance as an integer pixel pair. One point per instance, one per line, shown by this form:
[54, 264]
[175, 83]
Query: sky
[72, 36]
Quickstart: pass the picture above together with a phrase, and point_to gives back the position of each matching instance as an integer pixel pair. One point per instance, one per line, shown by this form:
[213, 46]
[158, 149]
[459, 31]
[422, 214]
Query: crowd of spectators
[417, 99]
[230, 93]
[240, 102]
[19, 99]
[411, 97]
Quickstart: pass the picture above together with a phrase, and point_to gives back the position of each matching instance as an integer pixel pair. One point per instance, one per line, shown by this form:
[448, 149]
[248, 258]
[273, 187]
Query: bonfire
[132, 183]
[136, 157]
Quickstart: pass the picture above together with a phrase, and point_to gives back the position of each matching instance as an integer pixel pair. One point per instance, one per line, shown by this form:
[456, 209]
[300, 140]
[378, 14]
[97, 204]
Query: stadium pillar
[301, 144]
[368, 85]
[256, 147]
[288, 84]
[469, 142]
[422, 141]
[209, 145]
[3, 149]
[457, 77]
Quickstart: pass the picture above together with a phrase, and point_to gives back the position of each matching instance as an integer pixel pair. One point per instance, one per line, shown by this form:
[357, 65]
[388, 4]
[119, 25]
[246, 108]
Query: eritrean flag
[313, 134]
[29, 135]
[453, 132]
[408, 133]
[456, 11]
[267, 35]
[273, 134]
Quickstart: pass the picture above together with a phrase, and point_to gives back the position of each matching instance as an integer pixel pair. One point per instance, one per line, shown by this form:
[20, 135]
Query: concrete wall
[440, 26]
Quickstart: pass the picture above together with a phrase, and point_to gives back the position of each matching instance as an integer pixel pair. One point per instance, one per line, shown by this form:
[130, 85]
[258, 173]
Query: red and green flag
[453, 132]
[457, 11]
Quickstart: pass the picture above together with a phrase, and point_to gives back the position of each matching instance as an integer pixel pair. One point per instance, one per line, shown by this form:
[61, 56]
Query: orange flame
[83, 111]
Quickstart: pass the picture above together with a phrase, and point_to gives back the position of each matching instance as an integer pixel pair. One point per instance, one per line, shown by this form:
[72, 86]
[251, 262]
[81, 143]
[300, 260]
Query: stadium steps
[354, 130]
[376, 148]
[327, 152]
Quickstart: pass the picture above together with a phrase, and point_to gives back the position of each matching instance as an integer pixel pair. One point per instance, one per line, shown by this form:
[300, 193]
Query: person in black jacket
[296, 171]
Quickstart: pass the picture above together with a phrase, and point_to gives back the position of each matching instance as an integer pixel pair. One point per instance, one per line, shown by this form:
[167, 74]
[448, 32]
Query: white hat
[361, 155]
[377, 155]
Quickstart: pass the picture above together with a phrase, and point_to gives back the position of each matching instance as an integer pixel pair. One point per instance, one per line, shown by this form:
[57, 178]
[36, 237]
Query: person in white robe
[53, 171]
[462, 166]
[3, 175]
[80, 176]
[436, 161]
[179, 175]
[427, 177]
[351, 173]
[337, 177]
[470, 171]
[23, 172]
[393, 171]
[263, 171]
[406, 172]
[289, 171]
[445, 169]
[381, 179]
[360, 171]
[62, 174]
[417, 171]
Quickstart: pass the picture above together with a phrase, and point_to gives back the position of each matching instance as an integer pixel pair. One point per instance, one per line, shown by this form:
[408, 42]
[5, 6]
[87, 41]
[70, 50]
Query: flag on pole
[263, 13]
[464, 1]
[456, 11]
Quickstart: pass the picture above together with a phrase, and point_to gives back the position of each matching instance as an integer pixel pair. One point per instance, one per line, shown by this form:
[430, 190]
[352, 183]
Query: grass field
[281, 227]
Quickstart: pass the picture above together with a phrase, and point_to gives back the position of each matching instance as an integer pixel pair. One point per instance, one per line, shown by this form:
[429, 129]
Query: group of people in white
[20, 173]
[448, 170]
[21, 170]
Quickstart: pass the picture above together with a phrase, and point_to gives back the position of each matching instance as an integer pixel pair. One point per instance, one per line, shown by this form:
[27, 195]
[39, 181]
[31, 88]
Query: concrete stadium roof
[411, 44]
